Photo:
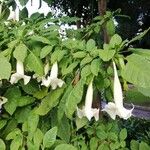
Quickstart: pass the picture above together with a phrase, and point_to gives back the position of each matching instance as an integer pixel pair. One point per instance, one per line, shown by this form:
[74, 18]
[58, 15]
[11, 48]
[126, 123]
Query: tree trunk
[102, 5]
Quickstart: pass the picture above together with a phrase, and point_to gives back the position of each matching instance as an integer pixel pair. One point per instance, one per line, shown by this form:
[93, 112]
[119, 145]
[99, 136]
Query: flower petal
[15, 78]
[26, 79]
[3, 101]
[80, 113]
[111, 109]
[95, 113]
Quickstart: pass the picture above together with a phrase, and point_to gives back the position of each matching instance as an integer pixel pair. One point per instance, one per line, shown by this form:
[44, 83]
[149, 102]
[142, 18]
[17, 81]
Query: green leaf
[101, 134]
[81, 122]
[110, 27]
[86, 60]
[5, 68]
[61, 107]
[23, 2]
[79, 54]
[2, 145]
[20, 52]
[137, 71]
[50, 101]
[23, 13]
[64, 131]
[2, 123]
[94, 143]
[86, 71]
[40, 39]
[144, 146]
[38, 137]
[32, 123]
[116, 40]
[35, 64]
[106, 55]
[57, 55]
[45, 51]
[144, 91]
[123, 134]
[103, 146]
[50, 137]
[70, 68]
[16, 143]
[139, 36]
[65, 147]
[12, 94]
[74, 98]
[25, 100]
[13, 134]
[95, 66]
[134, 145]
[90, 45]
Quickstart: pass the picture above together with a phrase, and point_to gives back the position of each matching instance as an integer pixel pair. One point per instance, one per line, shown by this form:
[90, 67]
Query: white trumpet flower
[117, 108]
[3, 100]
[87, 110]
[19, 74]
[53, 80]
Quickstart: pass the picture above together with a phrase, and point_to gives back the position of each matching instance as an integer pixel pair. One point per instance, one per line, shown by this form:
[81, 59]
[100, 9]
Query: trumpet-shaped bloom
[3, 100]
[87, 110]
[53, 80]
[19, 74]
[117, 108]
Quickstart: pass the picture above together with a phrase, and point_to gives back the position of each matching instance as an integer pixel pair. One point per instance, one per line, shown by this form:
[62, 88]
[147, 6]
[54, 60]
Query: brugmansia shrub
[45, 78]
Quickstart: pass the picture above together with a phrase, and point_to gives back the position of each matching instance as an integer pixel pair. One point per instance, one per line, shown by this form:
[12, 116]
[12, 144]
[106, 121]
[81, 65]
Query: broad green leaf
[41, 93]
[64, 131]
[86, 71]
[16, 143]
[38, 138]
[12, 94]
[81, 122]
[5, 68]
[144, 146]
[13, 134]
[25, 100]
[70, 68]
[50, 137]
[2, 123]
[74, 98]
[110, 27]
[35, 64]
[142, 52]
[116, 40]
[57, 55]
[94, 143]
[32, 123]
[23, 13]
[144, 91]
[102, 135]
[90, 45]
[106, 55]
[95, 66]
[79, 54]
[86, 60]
[2, 145]
[137, 71]
[20, 52]
[50, 101]
[40, 39]
[123, 134]
[103, 146]
[134, 145]
[22, 114]
[65, 147]
[61, 107]
[45, 51]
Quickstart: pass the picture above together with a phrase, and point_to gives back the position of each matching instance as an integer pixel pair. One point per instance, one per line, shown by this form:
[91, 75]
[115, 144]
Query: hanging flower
[117, 107]
[19, 74]
[53, 80]
[87, 110]
[3, 100]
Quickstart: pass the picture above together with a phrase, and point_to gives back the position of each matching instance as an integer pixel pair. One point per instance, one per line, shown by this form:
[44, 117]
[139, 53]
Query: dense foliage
[36, 116]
